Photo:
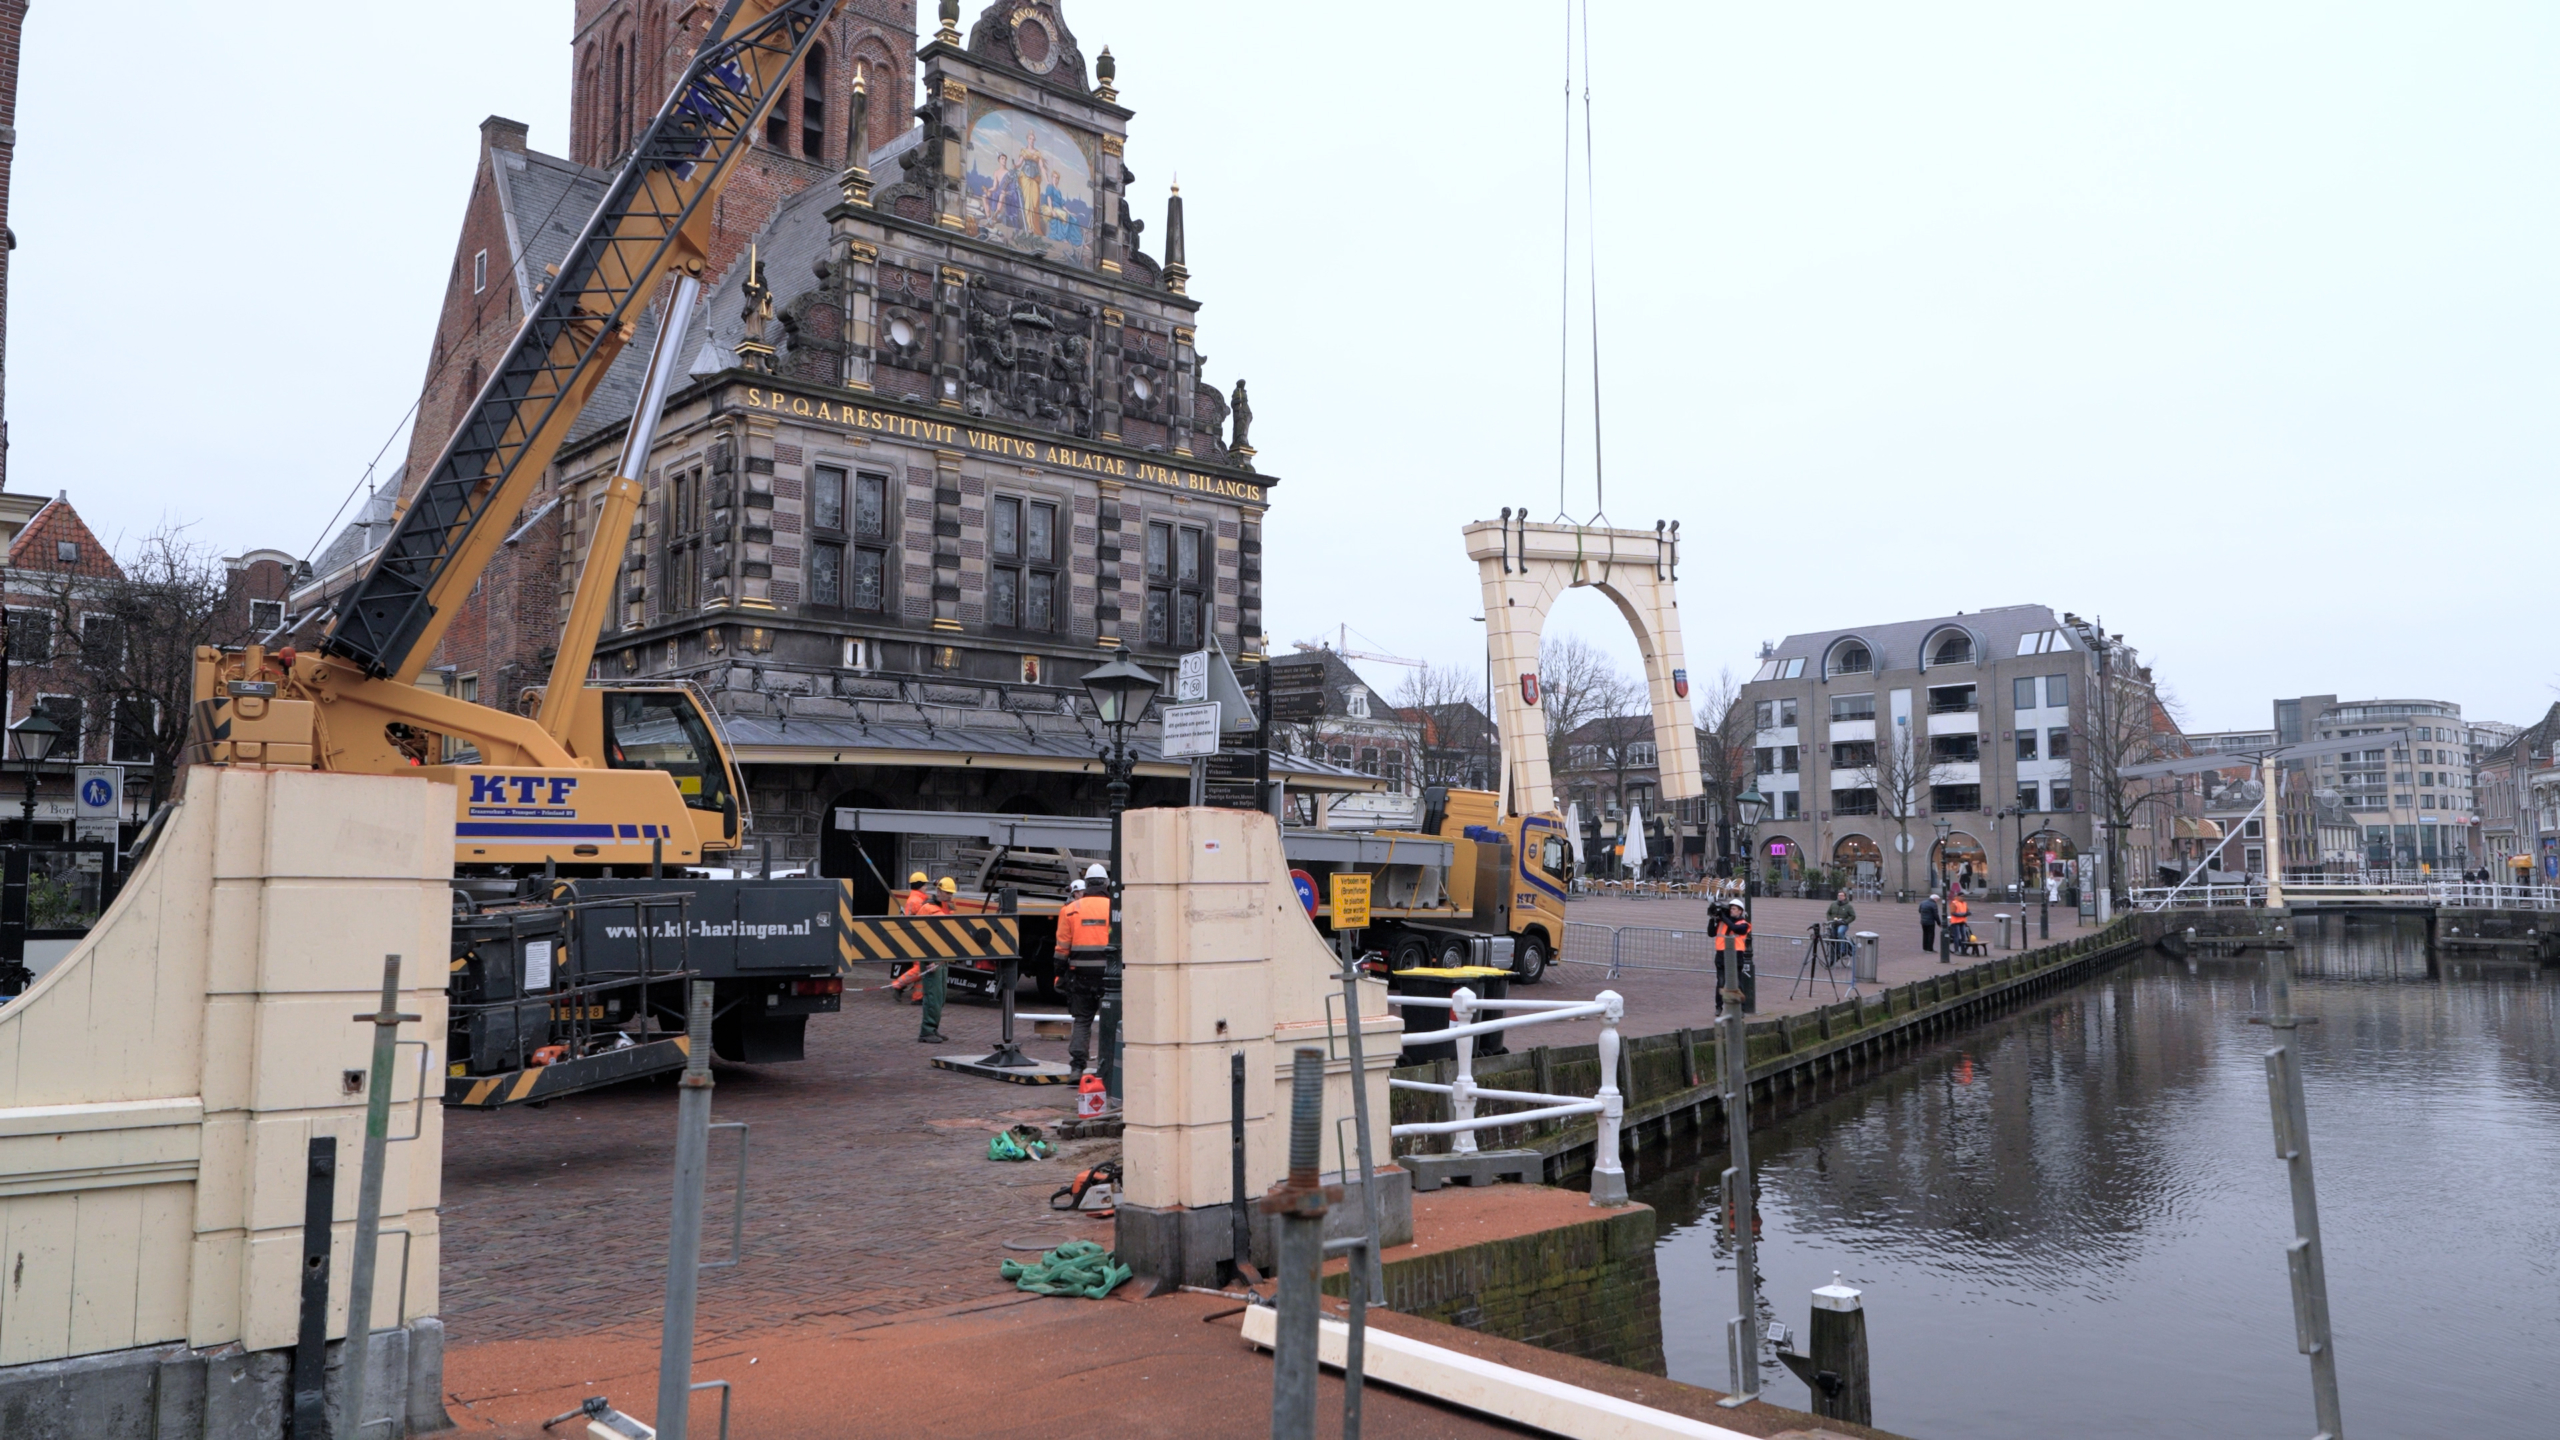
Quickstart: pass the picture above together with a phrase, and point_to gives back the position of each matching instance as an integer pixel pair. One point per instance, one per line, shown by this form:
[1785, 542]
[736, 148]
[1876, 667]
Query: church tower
[625, 54]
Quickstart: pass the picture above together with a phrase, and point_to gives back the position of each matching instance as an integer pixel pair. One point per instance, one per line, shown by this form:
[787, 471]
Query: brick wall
[1588, 1290]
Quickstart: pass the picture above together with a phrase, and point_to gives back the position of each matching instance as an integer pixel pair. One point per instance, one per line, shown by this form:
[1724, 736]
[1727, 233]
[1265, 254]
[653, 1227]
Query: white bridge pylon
[1525, 566]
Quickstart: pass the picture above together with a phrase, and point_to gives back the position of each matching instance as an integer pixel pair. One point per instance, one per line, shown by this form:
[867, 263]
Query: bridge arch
[1524, 567]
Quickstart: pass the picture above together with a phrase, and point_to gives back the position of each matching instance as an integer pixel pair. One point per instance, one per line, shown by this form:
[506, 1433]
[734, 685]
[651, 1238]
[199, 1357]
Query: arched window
[621, 131]
[1850, 657]
[1951, 647]
[590, 110]
[813, 104]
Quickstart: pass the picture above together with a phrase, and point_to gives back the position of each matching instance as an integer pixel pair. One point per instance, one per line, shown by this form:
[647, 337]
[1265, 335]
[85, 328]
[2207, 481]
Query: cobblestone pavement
[870, 1193]
[1660, 1001]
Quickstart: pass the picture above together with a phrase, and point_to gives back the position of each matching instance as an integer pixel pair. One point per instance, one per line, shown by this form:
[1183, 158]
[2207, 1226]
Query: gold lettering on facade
[966, 439]
[953, 275]
[954, 90]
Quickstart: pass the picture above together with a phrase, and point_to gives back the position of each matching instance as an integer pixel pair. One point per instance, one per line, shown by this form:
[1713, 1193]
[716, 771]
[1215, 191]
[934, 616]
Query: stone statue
[1243, 412]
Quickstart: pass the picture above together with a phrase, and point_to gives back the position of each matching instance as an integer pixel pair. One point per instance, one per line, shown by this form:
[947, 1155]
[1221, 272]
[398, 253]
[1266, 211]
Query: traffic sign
[1350, 900]
[1306, 887]
[1190, 730]
[98, 791]
[1191, 678]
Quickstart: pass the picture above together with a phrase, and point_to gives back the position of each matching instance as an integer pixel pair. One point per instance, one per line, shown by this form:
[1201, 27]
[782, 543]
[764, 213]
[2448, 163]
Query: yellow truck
[1472, 887]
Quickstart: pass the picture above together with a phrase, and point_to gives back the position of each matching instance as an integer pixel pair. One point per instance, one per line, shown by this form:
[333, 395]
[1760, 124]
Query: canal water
[2071, 1221]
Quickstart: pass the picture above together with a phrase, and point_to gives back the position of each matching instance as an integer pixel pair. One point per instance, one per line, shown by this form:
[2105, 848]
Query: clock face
[1033, 43]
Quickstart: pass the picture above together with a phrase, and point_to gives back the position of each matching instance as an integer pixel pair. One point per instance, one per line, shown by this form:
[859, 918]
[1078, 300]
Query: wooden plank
[37, 1271]
[106, 1266]
[1455, 1378]
[161, 1276]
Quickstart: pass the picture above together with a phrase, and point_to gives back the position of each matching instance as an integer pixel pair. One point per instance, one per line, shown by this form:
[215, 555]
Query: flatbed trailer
[1478, 888]
[575, 984]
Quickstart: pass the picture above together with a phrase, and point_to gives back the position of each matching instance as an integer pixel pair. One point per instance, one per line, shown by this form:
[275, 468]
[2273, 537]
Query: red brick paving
[1662, 1001]
[869, 1190]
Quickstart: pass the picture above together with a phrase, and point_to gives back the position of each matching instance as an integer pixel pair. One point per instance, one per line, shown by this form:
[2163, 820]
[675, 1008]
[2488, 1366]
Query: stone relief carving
[1030, 357]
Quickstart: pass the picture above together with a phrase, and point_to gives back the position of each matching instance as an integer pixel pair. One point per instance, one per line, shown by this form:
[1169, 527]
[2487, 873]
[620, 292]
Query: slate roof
[1896, 646]
[364, 533]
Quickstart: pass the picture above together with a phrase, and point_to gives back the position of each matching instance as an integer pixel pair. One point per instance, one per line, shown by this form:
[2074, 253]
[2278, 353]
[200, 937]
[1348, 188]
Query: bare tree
[1579, 683]
[1453, 742]
[2129, 720]
[1902, 775]
[1725, 732]
[125, 645]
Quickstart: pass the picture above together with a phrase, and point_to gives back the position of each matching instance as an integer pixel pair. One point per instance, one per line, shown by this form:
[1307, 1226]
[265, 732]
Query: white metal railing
[2350, 889]
[1463, 1092]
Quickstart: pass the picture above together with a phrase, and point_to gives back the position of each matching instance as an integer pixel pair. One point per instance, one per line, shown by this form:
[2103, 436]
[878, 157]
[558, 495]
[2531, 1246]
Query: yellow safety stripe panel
[929, 937]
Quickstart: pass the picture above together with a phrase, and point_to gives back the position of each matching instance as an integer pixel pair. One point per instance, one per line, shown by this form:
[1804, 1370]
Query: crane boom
[649, 222]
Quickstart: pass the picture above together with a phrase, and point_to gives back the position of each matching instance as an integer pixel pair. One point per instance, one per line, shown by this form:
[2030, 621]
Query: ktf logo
[492, 789]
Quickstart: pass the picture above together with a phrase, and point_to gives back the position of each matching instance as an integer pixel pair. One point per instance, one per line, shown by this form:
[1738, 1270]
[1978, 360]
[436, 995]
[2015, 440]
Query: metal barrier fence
[1587, 944]
[1617, 949]
[1608, 1177]
[2450, 894]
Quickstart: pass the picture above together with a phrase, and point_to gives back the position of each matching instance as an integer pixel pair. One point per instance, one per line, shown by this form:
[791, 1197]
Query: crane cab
[651, 778]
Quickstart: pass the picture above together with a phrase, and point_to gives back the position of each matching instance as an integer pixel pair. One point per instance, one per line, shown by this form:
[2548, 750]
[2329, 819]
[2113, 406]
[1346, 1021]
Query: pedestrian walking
[1929, 921]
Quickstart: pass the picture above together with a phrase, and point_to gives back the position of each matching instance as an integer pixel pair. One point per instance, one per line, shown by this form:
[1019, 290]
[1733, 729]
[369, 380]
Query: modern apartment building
[2416, 800]
[1866, 737]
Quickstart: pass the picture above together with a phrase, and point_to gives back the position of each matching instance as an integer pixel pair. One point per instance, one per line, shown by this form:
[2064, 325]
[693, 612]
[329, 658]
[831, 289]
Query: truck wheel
[1455, 952]
[1528, 959]
[1412, 952]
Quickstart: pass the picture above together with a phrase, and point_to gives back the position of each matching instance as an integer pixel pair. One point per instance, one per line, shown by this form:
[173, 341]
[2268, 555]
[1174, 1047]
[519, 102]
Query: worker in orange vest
[1084, 944]
[928, 979]
[1730, 923]
[1958, 932]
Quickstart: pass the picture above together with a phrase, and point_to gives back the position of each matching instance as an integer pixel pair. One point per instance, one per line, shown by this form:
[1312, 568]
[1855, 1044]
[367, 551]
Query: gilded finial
[949, 34]
[856, 180]
[1106, 70]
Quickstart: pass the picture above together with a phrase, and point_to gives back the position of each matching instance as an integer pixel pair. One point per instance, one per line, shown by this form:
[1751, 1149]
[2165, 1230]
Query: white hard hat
[1076, 885]
[1096, 872]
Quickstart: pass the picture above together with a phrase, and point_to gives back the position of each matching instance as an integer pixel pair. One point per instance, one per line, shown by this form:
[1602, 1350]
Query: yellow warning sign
[1350, 897]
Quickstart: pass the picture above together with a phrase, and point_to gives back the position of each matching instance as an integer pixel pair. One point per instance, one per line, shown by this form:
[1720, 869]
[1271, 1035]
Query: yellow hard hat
[918, 878]
[950, 886]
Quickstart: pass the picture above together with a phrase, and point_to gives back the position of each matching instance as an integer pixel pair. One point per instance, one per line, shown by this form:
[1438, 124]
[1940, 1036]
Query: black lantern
[1750, 805]
[1120, 692]
[33, 738]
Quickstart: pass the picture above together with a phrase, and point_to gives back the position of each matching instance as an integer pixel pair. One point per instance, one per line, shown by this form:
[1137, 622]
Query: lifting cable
[1564, 296]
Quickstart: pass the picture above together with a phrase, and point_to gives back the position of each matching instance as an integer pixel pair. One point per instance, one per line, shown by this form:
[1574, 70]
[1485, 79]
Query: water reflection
[2072, 1221]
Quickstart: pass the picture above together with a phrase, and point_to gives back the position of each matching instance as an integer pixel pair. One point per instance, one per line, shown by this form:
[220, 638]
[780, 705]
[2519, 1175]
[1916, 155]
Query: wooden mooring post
[1835, 1369]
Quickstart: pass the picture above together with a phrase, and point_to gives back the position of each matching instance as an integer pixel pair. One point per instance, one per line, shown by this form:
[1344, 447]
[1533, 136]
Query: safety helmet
[919, 878]
[1096, 872]
[1076, 885]
[949, 886]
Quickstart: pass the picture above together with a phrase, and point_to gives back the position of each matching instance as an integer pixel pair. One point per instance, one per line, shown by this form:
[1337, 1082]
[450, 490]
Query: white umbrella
[1635, 855]
[1573, 832]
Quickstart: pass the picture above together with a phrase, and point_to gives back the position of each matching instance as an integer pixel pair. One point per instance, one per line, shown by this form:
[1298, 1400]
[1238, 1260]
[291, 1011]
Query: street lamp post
[33, 739]
[1120, 692]
[1748, 807]
[1944, 827]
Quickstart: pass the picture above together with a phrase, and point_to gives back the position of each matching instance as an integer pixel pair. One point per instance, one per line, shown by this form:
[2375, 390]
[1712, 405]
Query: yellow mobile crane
[604, 775]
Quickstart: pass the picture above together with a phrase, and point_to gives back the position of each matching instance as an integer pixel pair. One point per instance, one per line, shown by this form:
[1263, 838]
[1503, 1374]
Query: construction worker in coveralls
[1084, 943]
[929, 978]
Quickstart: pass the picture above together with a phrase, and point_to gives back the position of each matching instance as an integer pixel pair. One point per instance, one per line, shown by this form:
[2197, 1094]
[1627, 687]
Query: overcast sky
[2230, 324]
